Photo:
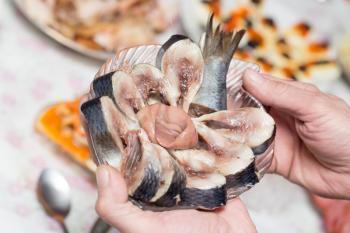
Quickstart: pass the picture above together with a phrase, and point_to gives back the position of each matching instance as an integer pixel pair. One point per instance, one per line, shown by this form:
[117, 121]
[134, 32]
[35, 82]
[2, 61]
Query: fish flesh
[167, 129]
[182, 63]
[249, 126]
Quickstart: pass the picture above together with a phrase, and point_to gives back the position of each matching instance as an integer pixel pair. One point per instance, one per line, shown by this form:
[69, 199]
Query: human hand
[113, 206]
[312, 145]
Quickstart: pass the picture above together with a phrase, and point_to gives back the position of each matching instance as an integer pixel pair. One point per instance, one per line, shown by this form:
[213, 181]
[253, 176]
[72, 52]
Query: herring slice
[196, 160]
[102, 86]
[173, 180]
[144, 178]
[152, 85]
[204, 192]
[131, 153]
[233, 159]
[120, 87]
[221, 145]
[182, 63]
[240, 181]
[126, 94]
[205, 187]
[105, 143]
[251, 126]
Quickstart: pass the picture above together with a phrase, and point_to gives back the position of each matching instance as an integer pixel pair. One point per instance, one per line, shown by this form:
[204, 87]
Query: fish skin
[245, 178]
[261, 148]
[110, 85]
[178, 183]
[172, 179]
[173, 39]
[218, 51]
[208, 199]
[105, 148]
[149, 185]
[102, 86]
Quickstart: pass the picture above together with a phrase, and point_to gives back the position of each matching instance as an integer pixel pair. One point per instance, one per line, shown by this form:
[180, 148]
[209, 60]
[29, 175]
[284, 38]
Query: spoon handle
[100, 226]
[64, 227]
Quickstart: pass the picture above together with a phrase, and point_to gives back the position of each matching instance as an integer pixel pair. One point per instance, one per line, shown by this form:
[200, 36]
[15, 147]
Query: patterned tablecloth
[34, 72]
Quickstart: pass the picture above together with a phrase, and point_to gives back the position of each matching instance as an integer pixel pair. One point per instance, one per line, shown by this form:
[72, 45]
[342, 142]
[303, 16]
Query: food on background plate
[107, 25]
[61, 124]
[291, 53]
[170, 127]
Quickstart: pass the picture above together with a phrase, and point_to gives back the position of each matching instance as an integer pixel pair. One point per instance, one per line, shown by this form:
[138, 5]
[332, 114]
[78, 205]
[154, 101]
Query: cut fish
[182, 63]
[250, 126]
[120, 87]
[206, 192]
[167, 128]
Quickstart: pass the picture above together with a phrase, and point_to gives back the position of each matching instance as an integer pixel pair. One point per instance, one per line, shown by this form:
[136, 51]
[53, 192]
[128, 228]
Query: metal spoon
[54, 194]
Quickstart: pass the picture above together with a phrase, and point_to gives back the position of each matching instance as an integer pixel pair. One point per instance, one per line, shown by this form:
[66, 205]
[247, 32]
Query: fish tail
[220, 43]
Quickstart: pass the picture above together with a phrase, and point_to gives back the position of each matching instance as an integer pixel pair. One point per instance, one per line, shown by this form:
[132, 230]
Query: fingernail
[102, 177]
[254, 76]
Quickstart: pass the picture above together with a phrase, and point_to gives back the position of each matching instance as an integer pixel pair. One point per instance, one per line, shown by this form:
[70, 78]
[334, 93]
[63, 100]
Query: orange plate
[49, 124]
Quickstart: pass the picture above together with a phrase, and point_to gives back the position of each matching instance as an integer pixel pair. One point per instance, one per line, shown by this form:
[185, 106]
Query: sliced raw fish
[126, 94]
[233, 158]
[250, 126]
[205, 187]
[120, 87]
[181, 61]
[152, 85]
[143, 179]
[167, 129]
[172, 40]
[173, 179]
[106, 147]
[103, 86]
[204, 192]
[147, 78]
[221, 145]
[135, 155]
[196, 161]
[240, 181]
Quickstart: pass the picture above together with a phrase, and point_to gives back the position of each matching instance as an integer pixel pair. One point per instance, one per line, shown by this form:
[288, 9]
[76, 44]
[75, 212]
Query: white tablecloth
[34, 72]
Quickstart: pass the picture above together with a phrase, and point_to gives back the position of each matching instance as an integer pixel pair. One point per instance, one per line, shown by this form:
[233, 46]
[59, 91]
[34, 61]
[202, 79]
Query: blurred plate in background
[99, 28]
[290, 39]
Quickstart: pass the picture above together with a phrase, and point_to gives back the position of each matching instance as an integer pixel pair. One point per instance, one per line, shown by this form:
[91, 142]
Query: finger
[300, 85]
[285, 144]
[113, 205]
[236, 214]
[277, 94]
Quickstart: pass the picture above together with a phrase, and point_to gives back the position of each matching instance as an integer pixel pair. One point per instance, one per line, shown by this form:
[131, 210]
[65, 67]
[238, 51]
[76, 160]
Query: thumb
[237, 216]
[284, 96]
[113, 205]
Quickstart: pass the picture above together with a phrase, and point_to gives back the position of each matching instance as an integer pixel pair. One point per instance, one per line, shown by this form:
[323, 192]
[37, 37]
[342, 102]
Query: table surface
[34, 72]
